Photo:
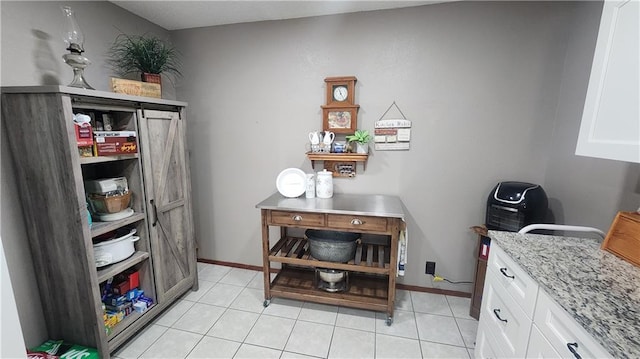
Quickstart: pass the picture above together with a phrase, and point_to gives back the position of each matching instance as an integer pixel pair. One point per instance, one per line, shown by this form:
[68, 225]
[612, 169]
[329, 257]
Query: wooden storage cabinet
[372, 272]
[51, 174]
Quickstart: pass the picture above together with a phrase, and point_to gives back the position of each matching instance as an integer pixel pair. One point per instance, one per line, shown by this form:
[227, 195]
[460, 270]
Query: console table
[372, 273]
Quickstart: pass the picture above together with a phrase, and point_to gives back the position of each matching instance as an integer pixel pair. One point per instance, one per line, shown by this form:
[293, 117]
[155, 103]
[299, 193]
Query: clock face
[340, 93]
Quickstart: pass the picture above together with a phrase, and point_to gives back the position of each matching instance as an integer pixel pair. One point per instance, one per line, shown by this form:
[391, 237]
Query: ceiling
[177, 15]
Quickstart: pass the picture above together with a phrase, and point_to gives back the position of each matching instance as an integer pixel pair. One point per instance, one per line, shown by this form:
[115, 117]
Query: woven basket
[112, 204]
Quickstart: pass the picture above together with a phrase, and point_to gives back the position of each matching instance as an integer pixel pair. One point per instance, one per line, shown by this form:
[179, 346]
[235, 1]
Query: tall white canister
[324, 184]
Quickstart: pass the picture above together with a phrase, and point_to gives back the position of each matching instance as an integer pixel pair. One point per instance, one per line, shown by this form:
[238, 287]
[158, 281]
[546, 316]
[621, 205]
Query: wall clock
[341, 90]
[340, 114]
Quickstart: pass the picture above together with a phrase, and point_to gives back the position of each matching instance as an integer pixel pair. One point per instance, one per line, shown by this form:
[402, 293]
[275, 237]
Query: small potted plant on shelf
[144, 54]
[361, 138]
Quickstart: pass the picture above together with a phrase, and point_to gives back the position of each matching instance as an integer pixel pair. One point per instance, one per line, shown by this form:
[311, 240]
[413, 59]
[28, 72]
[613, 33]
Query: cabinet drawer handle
[572, 348]
[497, 314]
[356, 221]
[504, 272]
[297, 218]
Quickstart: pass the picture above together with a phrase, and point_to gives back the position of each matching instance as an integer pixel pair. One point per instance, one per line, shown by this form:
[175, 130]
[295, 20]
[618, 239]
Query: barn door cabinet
[50, 174]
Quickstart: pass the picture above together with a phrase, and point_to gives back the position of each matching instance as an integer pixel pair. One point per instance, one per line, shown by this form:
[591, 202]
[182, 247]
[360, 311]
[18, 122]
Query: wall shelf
[330, 158]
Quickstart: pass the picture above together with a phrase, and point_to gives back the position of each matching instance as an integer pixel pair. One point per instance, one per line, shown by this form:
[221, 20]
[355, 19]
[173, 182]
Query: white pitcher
[315, 137]
[328, 138]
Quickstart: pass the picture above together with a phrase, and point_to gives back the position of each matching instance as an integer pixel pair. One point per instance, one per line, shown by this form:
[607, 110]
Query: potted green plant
[361, 139]
[144, 54]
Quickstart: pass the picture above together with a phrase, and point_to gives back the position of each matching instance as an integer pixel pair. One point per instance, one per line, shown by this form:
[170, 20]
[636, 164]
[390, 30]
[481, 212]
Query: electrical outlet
[430, 268]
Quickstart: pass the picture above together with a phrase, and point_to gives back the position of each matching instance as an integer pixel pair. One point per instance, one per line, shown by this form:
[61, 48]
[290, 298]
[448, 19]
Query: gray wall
[584, 191]
[480, 81]
[494, 90]
[32, 49]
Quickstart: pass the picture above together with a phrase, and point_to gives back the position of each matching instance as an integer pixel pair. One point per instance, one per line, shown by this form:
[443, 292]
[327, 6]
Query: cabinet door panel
[561, 329]
[513, 279]
[168, 200]
[504, 319]
[539, 346]
[610, 127]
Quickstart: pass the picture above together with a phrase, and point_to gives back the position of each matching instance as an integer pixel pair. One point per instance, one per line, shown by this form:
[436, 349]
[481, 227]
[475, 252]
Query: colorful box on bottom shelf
[62, 350]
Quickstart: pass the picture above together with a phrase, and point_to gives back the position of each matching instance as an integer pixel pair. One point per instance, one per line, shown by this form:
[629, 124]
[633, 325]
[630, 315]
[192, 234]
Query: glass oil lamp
[74, 38]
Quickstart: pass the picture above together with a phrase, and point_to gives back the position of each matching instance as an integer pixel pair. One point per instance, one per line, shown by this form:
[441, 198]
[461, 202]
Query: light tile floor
[225, 319]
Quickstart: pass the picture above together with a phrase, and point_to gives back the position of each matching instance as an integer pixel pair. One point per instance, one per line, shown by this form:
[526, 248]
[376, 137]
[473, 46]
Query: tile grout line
[298, 319]
[457, 326]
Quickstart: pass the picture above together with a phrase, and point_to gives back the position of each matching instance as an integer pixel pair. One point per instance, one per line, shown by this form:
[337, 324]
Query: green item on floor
[66, 350]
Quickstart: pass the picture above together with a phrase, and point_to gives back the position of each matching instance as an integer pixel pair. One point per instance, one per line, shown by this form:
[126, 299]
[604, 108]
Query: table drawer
[364, 223]
[301, 219]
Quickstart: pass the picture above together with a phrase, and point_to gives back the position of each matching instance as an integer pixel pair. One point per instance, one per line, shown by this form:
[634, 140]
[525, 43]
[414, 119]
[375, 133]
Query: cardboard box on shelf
[136, 88]
[84, 134]
[110, 143]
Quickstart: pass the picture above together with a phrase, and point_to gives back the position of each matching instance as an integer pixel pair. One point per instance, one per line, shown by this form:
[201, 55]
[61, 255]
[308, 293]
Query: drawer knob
[297, 218]
[572, 348]
[504, 273]
[356, 221]
[497, 314]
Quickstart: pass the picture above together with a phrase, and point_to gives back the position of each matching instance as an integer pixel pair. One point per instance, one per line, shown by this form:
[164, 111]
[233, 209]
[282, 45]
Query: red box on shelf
[110, 143]
[122, 287]
[134, 280]
[84, 134]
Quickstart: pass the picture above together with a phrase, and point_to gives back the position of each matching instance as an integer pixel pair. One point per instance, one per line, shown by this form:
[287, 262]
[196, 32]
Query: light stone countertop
[599, 290]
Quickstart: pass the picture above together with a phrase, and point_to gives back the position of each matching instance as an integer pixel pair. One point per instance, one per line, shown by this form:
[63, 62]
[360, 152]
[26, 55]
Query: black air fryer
[513, 205]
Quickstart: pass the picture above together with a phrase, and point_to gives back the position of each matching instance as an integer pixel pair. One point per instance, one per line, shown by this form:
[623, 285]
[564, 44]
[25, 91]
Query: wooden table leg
[266, 266]
[393, 269]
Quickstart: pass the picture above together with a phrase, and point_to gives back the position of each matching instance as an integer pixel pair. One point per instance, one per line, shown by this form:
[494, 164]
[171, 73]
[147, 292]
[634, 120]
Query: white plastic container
[115, 250]
[324, 184]
[311, 186]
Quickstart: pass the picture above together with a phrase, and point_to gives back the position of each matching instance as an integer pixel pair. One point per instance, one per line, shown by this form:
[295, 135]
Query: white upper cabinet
[610, 125]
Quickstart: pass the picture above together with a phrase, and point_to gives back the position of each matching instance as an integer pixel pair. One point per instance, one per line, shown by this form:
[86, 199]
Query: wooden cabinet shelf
[113, 269]
[101, 159]
[98, 228]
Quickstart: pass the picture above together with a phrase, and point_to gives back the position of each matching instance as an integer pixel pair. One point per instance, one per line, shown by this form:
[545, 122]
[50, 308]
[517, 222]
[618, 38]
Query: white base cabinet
[563, 333]
[539, 346]
[518, 319]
